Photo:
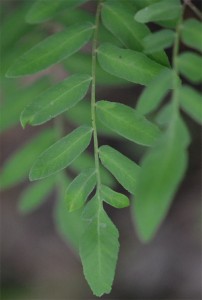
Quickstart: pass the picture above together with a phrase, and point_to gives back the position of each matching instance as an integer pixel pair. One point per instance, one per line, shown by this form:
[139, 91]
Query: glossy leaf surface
[56, 100]
[122, 168]
[128, 64]
[127, 122]
[79, 189]
[160, 11]
[99, 248]
[34, 195]
[52, 50]
[61, 154]
[113, 198]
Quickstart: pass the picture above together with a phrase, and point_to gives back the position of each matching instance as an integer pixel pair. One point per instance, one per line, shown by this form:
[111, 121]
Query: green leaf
[190, 65]
[160, 11]
[81, 114]
[99, 248]
[13, 104]
[43, 10]
[122, 168]
[161, 172]
[127, 122]
[192, 33]
[191, 103]
[34, 195]
[61, 154]
[52, 50]
[68, 224]
[119, 20]
[16, 168]
[154, 93]
[82, 62]
[128, 64]
[56, 100]
[113, 198]
[86, 161]
[158, 41]
[79, 189]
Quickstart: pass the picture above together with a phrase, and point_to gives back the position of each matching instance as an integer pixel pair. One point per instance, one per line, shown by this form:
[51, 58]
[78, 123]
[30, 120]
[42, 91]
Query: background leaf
[16, 168]
[160, 11]
[128, 64]
[68, 224]
[161, 172]
[13, 105]
[121, 167]
[56, 100]
[191, 103]
[43, 10]
[113, 198]
[127, 122]
[52, 50]
[61, 154]
[99, 248]
[154, 93]
[158, 41]
[34, 195]
[190, 65]
[192, 33]
[79, 189]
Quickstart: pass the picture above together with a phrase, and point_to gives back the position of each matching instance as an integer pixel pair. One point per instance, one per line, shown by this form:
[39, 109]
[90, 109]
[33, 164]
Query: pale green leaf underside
[113, 198]
[52, 50]
[160, 175]
[127, 122]
[158, 41]
[79, 189]
[17, 167]
[34, 195]
[190, 65]
[43, 10]
[191, 103]
[154, 93]
[99, 248]
[122, 168]
[192, 33]
[56, 100]
[128, 64]
[61, 154]
[160, 11]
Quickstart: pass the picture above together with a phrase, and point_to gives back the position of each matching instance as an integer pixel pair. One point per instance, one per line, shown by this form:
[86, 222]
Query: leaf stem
[93, 98]
[193, 8]
[176, 80]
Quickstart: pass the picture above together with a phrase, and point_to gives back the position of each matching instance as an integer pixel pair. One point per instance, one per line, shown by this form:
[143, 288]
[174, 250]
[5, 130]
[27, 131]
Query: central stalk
[93, 97]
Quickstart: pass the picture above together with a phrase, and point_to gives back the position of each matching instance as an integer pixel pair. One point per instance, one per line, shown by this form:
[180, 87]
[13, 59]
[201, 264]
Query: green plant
[137, 56]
